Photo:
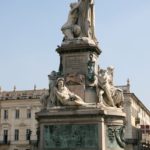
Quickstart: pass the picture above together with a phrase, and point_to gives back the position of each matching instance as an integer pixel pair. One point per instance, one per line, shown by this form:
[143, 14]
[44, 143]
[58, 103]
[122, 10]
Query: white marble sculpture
[70, 29]
[108, 94]
[65, 96]
[86, 18]
[48, 99]
[80, 23]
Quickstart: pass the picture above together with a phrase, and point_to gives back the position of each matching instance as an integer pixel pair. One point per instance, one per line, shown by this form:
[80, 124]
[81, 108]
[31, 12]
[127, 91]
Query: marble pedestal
[72, 128]
[74, 59]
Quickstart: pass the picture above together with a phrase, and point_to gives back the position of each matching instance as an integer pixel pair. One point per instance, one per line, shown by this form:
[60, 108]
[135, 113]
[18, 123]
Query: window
[5, 114]
[16, 135]
[28, 134]
[28, 113]
[5, 136]
[17, 114]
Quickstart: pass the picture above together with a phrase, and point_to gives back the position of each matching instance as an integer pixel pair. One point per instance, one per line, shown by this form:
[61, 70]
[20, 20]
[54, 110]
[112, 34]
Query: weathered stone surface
[90, 95]
[78, 125]
[115, 137]
[73, 47]
[71, 136]
[78, 89]
[74, 62]
[80, 24]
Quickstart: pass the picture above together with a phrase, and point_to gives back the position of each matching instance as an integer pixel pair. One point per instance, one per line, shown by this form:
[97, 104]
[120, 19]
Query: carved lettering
[75, 63]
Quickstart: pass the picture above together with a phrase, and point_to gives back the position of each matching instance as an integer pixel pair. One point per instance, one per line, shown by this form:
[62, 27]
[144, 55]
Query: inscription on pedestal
[75, 63]
[71, 137]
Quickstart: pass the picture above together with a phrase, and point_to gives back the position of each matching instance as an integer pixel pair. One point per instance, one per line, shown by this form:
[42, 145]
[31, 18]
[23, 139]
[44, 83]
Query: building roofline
[138, 101]
[23, 94]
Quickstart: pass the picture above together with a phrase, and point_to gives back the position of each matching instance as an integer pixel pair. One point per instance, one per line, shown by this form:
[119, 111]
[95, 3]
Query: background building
[137, 119]
[18, 125]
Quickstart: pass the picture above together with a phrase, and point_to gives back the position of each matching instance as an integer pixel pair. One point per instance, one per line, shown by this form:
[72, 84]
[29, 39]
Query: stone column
[41, 137]
[101, 134]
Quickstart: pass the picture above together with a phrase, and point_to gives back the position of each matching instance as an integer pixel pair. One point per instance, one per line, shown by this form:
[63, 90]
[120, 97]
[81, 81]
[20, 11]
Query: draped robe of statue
[86, 18]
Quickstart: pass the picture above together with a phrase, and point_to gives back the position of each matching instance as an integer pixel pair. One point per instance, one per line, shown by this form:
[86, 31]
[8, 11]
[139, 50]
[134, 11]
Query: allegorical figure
[106, 91]
[116, 93]
[103, 84]
[65, 96]
[48, 99]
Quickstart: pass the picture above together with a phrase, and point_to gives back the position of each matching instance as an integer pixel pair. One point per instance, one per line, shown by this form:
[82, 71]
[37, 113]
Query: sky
[30, 33]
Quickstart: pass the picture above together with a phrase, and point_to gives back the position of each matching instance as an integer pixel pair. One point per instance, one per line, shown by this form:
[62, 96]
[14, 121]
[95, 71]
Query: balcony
[4, 142]
[33, 142]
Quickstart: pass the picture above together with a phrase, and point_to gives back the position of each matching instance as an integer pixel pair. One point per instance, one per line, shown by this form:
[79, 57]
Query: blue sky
[30, 33]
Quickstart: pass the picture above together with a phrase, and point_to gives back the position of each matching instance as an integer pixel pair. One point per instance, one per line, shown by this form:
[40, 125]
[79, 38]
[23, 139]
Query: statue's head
[53, 73]
[60, 82]
[102, 71]
[110, 69]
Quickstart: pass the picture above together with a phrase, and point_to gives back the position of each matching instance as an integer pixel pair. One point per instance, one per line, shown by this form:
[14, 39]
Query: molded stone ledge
[80, 111]
[78, 48]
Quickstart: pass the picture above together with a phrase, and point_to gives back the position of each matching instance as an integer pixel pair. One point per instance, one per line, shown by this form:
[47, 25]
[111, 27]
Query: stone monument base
[80, 128]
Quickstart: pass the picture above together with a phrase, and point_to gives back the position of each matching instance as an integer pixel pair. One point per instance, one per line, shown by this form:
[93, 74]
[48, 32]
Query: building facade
[18, 126]
[137, 119]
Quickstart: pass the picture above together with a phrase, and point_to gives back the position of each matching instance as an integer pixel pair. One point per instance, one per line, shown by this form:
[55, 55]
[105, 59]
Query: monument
[82, 109]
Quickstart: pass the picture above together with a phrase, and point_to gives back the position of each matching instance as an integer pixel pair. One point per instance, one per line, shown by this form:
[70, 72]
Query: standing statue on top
[80, 23]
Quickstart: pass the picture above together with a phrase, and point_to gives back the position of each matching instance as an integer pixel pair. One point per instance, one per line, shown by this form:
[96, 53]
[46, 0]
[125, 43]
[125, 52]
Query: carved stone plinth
[74, 57]
[74, 47]
[77, 68]
[79, 128]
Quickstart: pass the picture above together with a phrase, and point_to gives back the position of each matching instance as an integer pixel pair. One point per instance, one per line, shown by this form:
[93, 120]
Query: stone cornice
[21, 95]
[135, 98]
[78, 48]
